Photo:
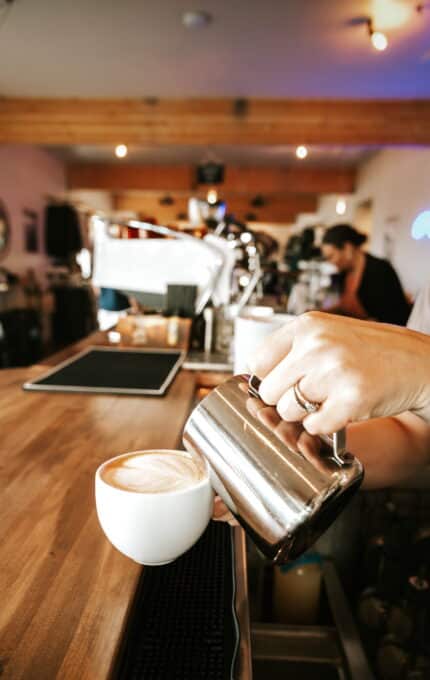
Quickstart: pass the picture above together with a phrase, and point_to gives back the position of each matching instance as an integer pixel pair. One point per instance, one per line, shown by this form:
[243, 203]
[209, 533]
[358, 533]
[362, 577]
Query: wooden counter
[65, 591]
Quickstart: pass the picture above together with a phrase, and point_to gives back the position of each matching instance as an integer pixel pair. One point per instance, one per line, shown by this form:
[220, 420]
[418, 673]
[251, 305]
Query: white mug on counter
[250, 329]
[154, 505]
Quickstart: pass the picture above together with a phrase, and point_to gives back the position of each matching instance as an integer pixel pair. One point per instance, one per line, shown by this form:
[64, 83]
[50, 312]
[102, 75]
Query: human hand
[221, 513]
[354, 369]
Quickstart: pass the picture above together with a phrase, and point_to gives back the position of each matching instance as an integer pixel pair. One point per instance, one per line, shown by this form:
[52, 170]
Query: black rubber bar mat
[107, 370]
[184, 625]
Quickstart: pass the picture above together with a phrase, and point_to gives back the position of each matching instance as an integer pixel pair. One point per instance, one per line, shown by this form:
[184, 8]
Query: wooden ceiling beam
[213, 121]
[297, 180]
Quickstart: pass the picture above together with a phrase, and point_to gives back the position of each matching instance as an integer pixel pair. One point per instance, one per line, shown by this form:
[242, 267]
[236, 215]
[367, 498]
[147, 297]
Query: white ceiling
[261, 48]
[319, 156]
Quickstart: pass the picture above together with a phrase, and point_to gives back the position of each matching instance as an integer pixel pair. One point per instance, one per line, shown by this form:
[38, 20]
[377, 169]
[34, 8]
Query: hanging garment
[62, 230]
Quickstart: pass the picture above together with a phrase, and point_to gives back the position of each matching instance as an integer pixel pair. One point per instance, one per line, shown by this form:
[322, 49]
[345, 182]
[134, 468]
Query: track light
[378, 39]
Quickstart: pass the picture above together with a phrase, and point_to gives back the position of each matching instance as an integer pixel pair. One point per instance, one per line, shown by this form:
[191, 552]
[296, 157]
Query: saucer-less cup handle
[337, 440]
[153, 528]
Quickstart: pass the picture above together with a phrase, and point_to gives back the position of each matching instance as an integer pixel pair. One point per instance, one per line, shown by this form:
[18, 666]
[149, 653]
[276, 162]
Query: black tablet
[113, 371]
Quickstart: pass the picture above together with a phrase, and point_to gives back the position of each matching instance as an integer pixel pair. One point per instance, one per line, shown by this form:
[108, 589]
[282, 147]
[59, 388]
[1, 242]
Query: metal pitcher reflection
[284, 486]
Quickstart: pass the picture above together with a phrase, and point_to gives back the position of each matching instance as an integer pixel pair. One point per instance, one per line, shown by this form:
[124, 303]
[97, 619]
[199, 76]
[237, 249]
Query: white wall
[327, 209]
[398, 182]
[94, 200]
[27, 176]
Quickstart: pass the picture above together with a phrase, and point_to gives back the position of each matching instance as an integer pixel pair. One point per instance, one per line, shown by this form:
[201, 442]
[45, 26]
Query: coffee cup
[154, 505]
[250, 329]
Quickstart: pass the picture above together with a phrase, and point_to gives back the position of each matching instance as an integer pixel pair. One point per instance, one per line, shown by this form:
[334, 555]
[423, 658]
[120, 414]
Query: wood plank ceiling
[213, 121]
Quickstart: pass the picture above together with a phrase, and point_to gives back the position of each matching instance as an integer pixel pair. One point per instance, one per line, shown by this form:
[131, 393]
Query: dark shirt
[381, 293]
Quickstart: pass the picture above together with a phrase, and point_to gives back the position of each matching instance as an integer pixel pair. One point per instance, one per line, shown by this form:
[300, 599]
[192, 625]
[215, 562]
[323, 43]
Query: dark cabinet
[20, 337]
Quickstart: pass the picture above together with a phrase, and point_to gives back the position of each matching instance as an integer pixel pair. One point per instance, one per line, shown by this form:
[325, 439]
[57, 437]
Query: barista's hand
[355, 369]
[221, 513]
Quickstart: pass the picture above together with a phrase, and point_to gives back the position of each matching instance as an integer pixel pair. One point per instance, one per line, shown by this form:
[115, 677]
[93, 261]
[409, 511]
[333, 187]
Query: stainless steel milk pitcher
[283, 485]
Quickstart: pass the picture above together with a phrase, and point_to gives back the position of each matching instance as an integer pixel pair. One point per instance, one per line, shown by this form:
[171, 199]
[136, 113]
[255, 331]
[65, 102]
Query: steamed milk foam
[154, 471]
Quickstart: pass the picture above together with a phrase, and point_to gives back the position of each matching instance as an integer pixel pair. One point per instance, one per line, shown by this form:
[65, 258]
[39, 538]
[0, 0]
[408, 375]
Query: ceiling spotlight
[246, 237]
[379, 40]
[212, 196]
[121, 151]
[301, 152]
[196, 19]
[340, 206]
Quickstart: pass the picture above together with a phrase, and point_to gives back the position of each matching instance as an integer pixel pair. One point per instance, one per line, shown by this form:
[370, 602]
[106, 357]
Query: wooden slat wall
[280, 209]
[249, 180]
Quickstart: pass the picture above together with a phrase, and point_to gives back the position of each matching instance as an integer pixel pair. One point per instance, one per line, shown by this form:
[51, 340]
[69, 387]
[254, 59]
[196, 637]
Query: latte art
[154, 505]
[155, 472]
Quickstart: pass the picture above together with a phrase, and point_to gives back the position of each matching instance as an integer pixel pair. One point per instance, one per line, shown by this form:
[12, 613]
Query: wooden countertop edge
[40, 429]
[57, 441]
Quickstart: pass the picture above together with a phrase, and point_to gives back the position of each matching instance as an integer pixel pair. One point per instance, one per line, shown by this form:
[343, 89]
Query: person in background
[112, 305]
[369, 287]
[419, 319]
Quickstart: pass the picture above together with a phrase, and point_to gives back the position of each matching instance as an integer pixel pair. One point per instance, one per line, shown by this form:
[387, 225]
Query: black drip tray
[184, 625]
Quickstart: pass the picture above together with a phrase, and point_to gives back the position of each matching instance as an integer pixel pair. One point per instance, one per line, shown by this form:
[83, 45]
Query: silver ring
[308, 406]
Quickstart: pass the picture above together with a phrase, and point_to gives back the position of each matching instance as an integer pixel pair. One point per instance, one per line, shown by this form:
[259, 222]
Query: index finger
[274, 348]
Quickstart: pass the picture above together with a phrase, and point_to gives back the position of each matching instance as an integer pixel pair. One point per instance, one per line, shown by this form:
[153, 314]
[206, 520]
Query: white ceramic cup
[250, 330]
[153, 528]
